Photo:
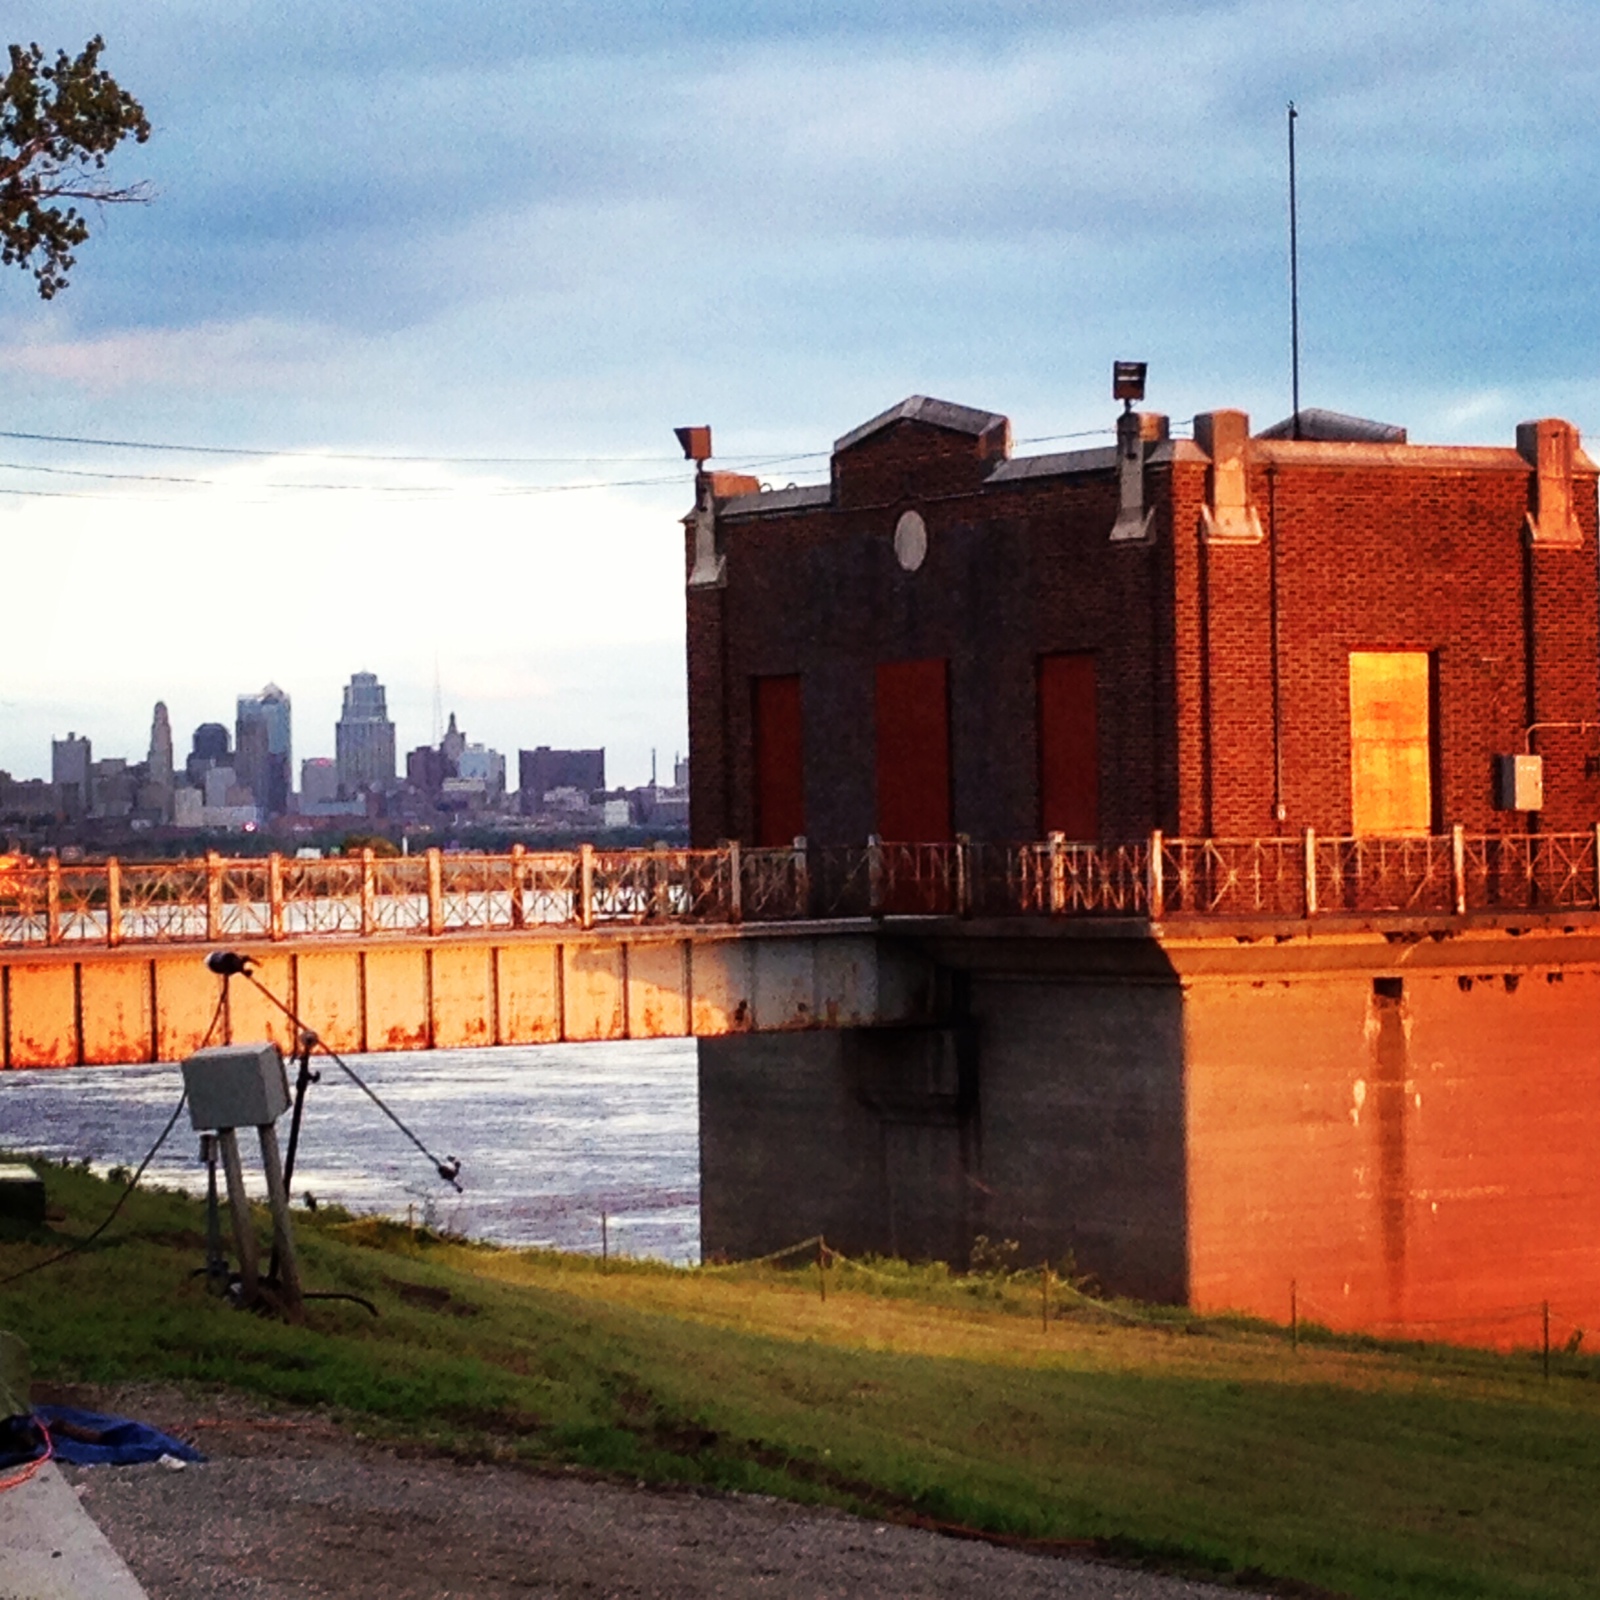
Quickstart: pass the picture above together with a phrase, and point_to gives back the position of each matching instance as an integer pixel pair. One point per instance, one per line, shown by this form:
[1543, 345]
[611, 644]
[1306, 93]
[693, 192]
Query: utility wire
[325, 455]
[751, 463]
[449, 1169]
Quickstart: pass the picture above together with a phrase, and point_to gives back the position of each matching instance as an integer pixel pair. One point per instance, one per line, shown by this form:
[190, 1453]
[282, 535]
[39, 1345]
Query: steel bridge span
[103, 963]
[138, 1003]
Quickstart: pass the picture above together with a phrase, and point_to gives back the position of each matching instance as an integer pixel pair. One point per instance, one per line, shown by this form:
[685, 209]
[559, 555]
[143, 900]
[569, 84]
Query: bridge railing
[1289, 876]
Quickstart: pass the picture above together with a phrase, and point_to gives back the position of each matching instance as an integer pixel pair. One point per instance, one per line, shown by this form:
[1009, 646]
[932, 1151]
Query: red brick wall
[1402, 558]
[907, 461]
[1011, 574]
[1374, 550]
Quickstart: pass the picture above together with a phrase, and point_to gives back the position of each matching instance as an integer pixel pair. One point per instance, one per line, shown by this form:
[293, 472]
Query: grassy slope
[1364, 1471]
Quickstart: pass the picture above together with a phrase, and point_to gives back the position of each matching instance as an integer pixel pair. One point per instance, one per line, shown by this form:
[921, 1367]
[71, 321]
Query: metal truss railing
[1159, 878]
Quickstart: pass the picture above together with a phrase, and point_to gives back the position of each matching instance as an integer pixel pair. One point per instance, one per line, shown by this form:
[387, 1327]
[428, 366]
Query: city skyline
[182, 740]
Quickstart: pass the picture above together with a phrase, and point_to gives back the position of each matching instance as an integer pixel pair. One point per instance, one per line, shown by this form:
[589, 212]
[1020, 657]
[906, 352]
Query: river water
[550, 1138]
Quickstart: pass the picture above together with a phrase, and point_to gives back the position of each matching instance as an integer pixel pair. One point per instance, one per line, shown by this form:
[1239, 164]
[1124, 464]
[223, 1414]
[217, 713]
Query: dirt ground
[291, 1505]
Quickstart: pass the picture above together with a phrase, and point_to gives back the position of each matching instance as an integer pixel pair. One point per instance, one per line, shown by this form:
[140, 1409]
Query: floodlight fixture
[696, 444]
[1127, 380]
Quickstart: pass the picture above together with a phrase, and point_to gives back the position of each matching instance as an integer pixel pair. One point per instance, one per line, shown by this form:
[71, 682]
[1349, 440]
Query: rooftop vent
[1334, 427]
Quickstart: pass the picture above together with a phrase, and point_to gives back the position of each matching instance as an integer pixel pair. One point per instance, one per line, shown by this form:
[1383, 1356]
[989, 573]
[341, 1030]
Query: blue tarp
[90, 1439]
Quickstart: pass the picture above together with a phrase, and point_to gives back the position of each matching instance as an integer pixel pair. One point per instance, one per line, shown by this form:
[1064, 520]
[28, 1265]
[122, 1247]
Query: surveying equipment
[232, 1087]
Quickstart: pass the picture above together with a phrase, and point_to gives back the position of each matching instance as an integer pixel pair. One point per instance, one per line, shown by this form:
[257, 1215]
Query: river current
[550, 1138]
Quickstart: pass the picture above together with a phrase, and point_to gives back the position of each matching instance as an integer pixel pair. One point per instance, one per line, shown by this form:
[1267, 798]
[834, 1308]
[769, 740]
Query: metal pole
[303, 1080]
[216, 1265]
[113, 901]
[518, 917]
[244, 1229]
[369, 892]
[213, 895]
[285, 1263]
[275, 895]
[435, 893]
[585, 885]
[1294, 279]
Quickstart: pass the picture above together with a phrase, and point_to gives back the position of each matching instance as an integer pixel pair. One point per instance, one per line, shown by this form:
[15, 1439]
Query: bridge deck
[98, 963]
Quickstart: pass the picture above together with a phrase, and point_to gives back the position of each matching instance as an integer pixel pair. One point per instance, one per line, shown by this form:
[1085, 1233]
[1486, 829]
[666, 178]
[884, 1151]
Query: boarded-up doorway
[1391, 742]
[1069, 746]
[780, 790]
[913, 710]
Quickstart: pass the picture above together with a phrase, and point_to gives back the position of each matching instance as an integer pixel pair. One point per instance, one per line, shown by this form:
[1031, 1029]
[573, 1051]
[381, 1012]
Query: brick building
[1232, 635]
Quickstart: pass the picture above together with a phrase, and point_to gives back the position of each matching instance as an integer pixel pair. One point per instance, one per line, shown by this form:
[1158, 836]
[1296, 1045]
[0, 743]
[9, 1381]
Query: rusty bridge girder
[107, 1005]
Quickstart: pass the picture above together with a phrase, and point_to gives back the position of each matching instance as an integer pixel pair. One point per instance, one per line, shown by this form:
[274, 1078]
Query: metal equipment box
[235, 1086]
[21, 1196]
[1519, 783]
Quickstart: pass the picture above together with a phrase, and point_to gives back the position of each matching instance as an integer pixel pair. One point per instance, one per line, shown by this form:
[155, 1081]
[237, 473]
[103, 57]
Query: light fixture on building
[1127, 381]
[696, 444]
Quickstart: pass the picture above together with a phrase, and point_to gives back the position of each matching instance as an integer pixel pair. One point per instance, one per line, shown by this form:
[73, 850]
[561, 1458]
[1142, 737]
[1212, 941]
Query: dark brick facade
[1221, 646]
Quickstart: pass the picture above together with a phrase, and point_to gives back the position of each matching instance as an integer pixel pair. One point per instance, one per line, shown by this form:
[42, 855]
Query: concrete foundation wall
[1080, 1092]
[1051, 1115]
[1396, 1127]
[1421, 1158]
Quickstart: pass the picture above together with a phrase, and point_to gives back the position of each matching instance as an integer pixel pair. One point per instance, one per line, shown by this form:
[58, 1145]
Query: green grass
[1204, 1446]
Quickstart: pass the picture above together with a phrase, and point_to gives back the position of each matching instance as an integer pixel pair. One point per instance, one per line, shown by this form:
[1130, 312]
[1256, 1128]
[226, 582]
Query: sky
[547, 233]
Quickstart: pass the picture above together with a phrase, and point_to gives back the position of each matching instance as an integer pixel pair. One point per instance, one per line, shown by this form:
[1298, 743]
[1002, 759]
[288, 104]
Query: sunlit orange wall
[1425, 1164]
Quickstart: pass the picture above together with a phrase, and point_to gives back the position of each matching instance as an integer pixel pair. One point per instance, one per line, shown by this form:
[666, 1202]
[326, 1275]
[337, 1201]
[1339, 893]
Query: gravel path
[293, 1506]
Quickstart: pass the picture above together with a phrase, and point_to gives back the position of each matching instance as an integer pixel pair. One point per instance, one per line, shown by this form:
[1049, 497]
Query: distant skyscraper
[539, 771]
[155, 797]
[210, 749]
[479, 764]
[262, 746]
[319, 781]
[364, 737]
[71, 761]
[451, 746]
[160, 747]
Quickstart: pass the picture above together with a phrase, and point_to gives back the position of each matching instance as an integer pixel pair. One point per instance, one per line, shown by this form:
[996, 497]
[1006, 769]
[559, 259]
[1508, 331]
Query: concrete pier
[1391, 1124]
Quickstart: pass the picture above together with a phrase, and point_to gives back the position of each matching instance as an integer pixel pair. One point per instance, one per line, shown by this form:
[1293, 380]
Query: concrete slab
[50, 1548]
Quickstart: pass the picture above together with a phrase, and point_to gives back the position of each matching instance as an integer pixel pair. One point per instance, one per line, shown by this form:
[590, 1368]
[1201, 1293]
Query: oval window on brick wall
[911, 540]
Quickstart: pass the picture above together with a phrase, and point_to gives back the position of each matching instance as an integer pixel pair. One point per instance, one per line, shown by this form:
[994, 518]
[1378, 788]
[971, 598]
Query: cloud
[252, 354]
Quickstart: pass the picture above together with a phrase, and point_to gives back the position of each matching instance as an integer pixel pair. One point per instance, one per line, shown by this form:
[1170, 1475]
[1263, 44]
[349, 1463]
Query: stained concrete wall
[1410, 1145]
[1399, 1122]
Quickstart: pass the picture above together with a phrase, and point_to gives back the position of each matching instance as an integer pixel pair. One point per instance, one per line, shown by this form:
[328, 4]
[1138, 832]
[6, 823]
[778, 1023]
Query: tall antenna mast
[438, 702]
[1294, 282]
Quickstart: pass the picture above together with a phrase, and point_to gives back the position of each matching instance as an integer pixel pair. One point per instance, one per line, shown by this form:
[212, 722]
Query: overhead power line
[258, 452]
[753, 463]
